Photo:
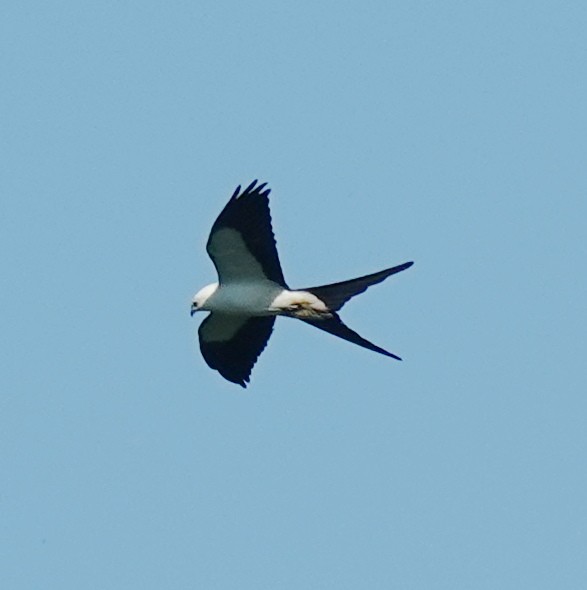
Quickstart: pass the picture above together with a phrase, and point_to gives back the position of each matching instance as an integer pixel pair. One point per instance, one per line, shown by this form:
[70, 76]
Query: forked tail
[336, 295]
[334, 325]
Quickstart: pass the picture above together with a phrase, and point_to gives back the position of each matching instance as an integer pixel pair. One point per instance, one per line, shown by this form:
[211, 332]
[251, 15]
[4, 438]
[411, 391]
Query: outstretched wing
[334, 325]
[231, 344]
[241, 243]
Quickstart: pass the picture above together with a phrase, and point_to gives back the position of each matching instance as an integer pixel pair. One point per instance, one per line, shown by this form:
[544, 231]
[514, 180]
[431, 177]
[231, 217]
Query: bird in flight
[251, 290]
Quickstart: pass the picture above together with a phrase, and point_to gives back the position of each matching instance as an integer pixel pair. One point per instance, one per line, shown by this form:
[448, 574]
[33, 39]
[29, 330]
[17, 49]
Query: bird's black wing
[241, 243]
[334, 325]
[231, 344]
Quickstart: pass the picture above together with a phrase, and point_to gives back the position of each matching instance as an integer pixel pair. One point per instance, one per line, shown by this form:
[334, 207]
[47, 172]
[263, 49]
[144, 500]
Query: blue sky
[452, 134]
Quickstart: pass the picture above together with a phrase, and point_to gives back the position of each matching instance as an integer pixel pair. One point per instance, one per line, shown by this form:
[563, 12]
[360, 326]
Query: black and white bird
[251, 290]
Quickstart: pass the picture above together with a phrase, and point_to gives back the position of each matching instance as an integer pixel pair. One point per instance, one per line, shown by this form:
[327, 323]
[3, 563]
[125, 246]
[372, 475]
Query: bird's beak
[193, 310]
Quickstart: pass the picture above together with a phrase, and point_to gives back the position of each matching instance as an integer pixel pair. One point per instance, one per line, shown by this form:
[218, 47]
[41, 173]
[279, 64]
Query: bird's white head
[201, 297]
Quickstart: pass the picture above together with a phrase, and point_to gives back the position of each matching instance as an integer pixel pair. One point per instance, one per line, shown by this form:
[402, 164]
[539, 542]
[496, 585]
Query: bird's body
[242, 298]
[262, 298]
[251, 290]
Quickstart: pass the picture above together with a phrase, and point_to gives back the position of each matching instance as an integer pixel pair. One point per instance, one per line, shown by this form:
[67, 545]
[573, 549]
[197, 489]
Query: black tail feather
[334, 325]
[336, 295]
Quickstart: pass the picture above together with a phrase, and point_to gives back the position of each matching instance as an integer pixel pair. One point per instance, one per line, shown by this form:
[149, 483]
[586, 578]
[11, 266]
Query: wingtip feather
[236, 192]
[250, 187]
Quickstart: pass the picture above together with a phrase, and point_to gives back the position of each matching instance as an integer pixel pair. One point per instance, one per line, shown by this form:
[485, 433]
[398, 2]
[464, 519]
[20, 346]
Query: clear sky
[449, 133]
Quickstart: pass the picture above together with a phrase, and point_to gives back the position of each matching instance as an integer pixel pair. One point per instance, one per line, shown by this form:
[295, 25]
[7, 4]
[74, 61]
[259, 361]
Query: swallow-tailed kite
[251, 290]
